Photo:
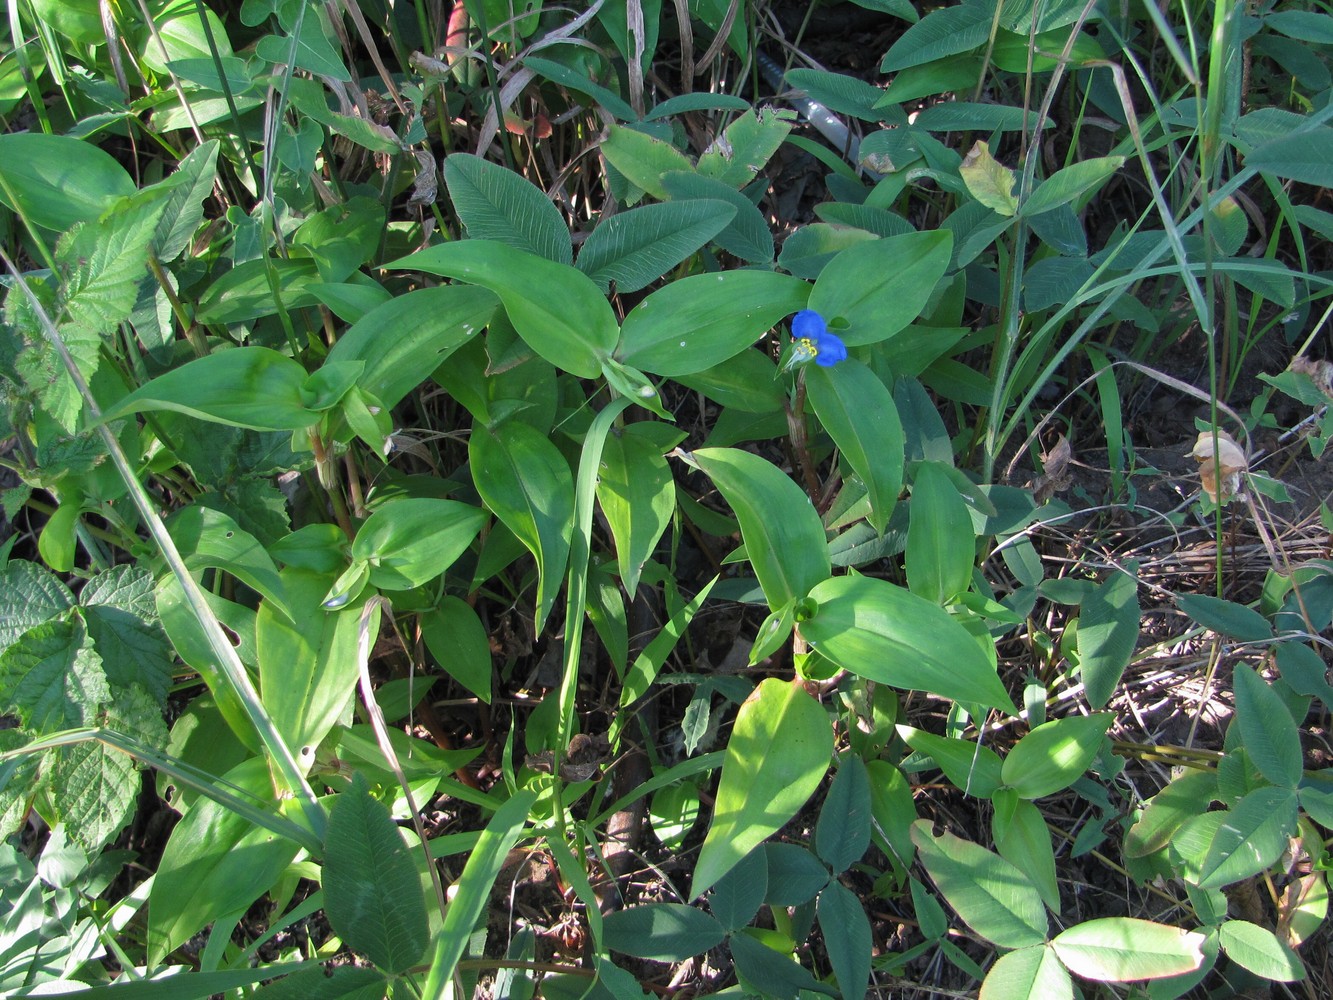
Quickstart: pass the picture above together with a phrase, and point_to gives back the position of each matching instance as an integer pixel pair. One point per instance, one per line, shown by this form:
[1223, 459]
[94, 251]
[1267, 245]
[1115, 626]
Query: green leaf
[643, 159]
[1253, 837]
[795, 876]
[474, 889]
[964, 116]
[1071, 183]
[216, 863]
[29, 595]
[941, 543]
[574, 330]
[1260, 951]
[121, 617]
[747, 382]
[663, 932]
[209, 539]
[1123, 949]
[880, 631]
[1032, 973]
[972, 767]
[769, 973]
[457, 639]
[52, 678]
[190, 186]
[1267, 728]
[198, 985]
[579, 83]
[874, 289]
[251, 387]
[697, 322]
[777, 755]
[345, 982]
[847, 937]
[784, 538]
[1302, 156]
[992, 897]
[372, 893]
[988, 180]
[736, 897]
[410, 541]
[1226, 617]
[58, 542]
[406, 338]
[637, 247]
[526, 482]
[1184, 798]
[1108, 629]
[1054, 755]
[858, 412]
[1025, 842]
[307, 671]
[496, 203]
[948, 31]
[638, 496]
[54, 181]
[97, 787]
[747, 236]
[747, 145]
[247, 292]
[838, 92]
[842, 833]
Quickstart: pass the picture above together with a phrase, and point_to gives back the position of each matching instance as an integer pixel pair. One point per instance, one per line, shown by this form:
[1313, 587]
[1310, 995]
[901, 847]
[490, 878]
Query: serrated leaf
[372, 893]
[52, 678]
[495, 203]
[97, 788]
[29, 595]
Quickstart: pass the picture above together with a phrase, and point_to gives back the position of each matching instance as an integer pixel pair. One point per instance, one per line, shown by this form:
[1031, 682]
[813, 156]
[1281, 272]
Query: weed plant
[510, 499]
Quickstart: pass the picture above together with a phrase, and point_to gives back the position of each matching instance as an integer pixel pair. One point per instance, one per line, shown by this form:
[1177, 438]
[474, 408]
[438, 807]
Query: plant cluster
[481, 531]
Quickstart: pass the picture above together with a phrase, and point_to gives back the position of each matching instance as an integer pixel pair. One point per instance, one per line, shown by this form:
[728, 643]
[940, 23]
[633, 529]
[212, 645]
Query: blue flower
[812, 340]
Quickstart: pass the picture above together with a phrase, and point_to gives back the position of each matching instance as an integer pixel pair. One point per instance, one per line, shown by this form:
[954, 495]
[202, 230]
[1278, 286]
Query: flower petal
[808, 324]
[831, 350]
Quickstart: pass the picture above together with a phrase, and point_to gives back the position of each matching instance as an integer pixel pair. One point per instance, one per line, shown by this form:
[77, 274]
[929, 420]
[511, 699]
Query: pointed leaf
[880, 631]
[637, 247]
[777, 755]
[663, 932]
[992, 896]
[858, 412]
[1054, 755]
[843, 831]
[877, 287]
[941, 543]
[1028, 974]
[1108, 630]
[496, 203]
[1253, 836]
[372, 893]
[54, 181]
[251, 387]
[697, 322]
[638, 496]
[972, 767]
[784, 538]
[525, 480]
[1267, 728]
[411, 541]
[574, 330]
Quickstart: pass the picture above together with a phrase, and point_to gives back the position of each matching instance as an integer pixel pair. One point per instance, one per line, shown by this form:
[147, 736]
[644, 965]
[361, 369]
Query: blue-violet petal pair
[810, 332]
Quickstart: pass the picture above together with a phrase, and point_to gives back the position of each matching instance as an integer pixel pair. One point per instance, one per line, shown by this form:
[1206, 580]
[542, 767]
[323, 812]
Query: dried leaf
[1056, 476]
[1219, 488]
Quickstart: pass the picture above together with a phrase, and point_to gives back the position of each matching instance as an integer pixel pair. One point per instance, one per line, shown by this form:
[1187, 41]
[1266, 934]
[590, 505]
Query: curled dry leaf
[1055, 476]
[1224, 483]
[1320, 372]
